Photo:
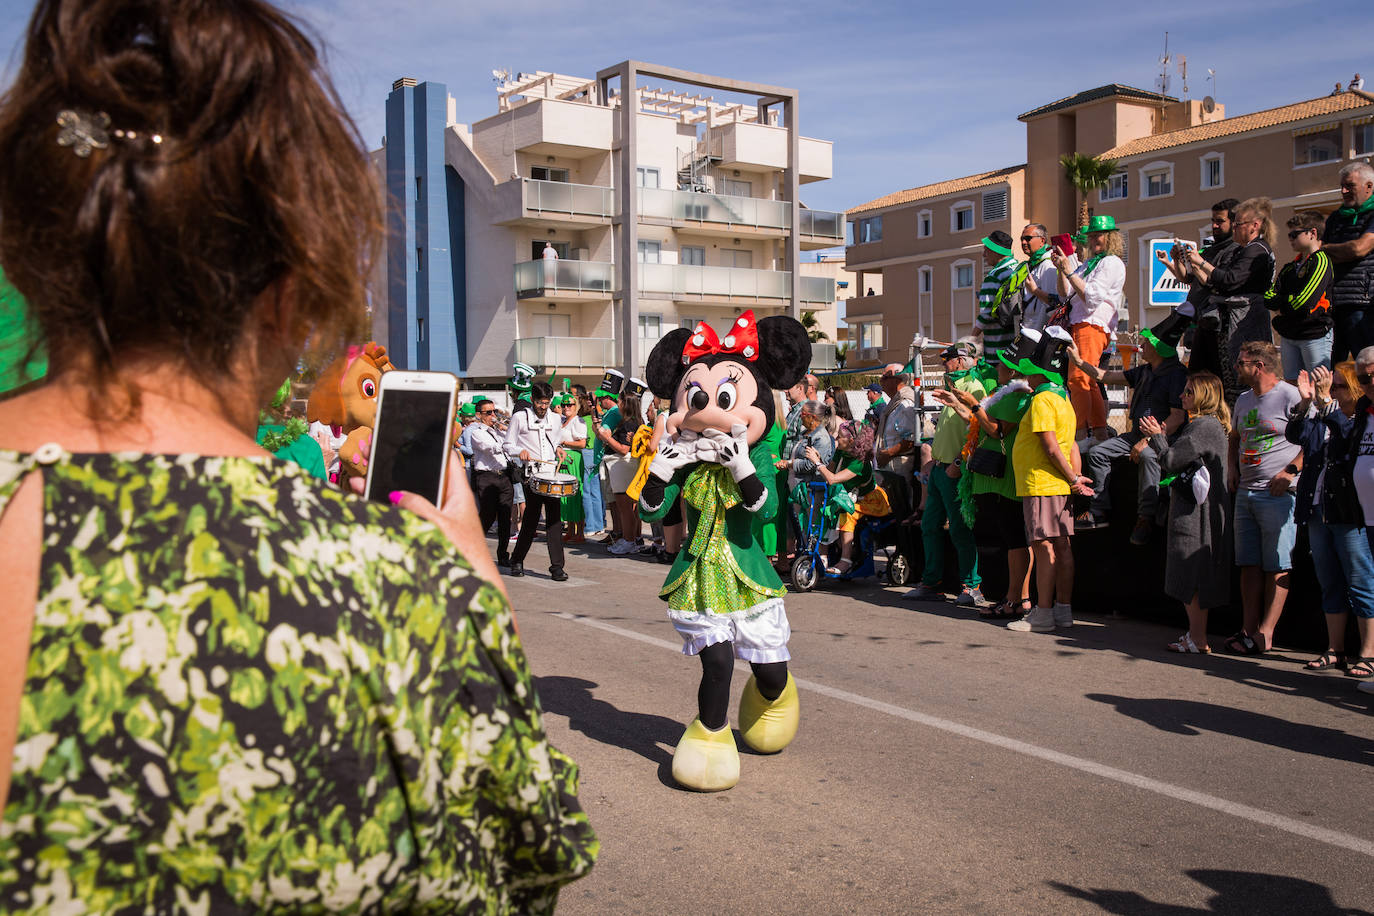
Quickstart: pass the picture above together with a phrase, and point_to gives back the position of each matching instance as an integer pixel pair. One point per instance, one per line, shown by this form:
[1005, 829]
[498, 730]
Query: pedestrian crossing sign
[1165, 288]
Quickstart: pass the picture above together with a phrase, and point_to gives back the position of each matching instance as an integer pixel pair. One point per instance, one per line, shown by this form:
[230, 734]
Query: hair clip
[84, 131]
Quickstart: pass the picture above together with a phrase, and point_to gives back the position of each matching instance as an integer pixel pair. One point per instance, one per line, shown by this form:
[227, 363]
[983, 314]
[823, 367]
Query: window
[419, 259]
[961, 216]
[736, 257]
[1213, 171]
[737, 188]
[650, 327]
[925, 225]
[994, 206]
[540, 173]
[419, 330]
[868, 229]
[1156, 180]
[963, 276]
[1316, 144]
[548, 325]
[649, 252]
[1116, 188]
[691, 323]
[647, 178]
[1364, 137]
[927, 280]
[419, 192]
[694, 254]
[867, 334]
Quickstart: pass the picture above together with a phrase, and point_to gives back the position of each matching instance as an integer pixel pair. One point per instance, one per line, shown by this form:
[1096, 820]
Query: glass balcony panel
[727, 209]
[817, 289]
[564, 197]
[566, 352]
[823, 224]
[533, 277]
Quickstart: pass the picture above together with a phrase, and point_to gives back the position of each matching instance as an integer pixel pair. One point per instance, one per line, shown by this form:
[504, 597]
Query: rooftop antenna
[1183, 72]
[499, 77]
[1212, 75]
[1162, 81]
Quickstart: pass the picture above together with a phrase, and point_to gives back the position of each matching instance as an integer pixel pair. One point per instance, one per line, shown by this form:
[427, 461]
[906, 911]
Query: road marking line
[1169, 790]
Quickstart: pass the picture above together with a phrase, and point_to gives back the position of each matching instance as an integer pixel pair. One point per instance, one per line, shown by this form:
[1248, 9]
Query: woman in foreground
[223, 686]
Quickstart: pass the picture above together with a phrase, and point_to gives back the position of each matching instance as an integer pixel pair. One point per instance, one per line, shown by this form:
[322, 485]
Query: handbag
[989, 462]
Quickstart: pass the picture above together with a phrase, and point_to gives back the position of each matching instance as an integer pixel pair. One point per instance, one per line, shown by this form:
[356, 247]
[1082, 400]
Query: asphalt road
[945, 764]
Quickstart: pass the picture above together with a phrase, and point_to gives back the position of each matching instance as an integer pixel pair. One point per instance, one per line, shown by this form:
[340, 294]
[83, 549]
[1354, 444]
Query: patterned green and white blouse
[246, 692]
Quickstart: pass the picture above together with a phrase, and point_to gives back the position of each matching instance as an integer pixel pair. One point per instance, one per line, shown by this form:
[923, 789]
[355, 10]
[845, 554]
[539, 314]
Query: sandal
[1007, 611]
[1362, 668]
[1242, 643]
[1186, 646]
[1328, 659]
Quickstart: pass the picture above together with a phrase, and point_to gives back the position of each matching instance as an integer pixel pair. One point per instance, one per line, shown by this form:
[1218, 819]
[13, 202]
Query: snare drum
[553, 485]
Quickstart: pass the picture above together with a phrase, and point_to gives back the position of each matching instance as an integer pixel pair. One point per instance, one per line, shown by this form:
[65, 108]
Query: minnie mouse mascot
[723, 596]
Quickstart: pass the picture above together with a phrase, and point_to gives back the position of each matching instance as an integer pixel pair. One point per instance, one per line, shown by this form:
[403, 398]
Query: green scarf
[1038, 257]
[1051, 386]
[711, 490]
[1091, 263]
[952, 377]
[1356, 212]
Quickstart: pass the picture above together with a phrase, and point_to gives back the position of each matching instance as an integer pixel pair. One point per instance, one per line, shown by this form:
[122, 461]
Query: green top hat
[522, 378]
[1080, 235]
[1102, 222]
[1019, 355]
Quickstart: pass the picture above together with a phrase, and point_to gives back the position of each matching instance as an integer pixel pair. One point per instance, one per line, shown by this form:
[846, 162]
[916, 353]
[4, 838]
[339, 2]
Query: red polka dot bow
[742, 338]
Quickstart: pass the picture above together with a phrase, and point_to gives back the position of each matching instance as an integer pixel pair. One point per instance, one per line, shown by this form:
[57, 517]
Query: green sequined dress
[246, 692]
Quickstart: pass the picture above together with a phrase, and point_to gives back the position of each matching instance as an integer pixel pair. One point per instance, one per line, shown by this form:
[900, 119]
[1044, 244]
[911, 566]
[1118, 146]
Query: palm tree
[813, 327]
[1087, 174]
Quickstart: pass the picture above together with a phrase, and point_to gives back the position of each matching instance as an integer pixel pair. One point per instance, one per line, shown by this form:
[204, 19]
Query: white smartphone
[410, 438]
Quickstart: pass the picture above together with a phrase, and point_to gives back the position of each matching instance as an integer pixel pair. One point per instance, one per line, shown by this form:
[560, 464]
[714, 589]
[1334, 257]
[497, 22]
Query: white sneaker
[1039, 620]
[1063, 615]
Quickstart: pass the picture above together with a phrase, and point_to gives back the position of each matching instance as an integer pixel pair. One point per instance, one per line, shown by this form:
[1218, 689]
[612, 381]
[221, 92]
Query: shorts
[1046, 517]
[620, 470]
[517, 492]
[873, 504]
[999, 521]
[759, 633]
[1265, 530]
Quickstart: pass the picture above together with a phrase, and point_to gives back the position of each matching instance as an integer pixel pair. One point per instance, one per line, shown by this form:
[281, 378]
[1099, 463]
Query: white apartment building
[676, 208]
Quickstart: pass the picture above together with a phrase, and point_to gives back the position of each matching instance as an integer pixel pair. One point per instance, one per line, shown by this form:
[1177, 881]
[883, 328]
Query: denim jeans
[1345, 567]
[1097, 464]
[1265, 530]
[1304, 354]
[1353, 332]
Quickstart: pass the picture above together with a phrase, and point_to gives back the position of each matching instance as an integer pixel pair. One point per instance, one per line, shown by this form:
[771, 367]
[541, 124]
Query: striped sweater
[993, 319]
[1298, 297]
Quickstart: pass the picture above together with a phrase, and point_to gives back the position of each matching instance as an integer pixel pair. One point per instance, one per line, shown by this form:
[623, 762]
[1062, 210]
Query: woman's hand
[812, 455]
[1149, 426]
[1305, 387]
[1321, 380]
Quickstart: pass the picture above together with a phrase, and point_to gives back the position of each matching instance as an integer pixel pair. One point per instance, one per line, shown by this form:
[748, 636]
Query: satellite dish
[1209, 104]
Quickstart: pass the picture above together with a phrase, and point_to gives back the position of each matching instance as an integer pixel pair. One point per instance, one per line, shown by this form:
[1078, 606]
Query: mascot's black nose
[699, 400]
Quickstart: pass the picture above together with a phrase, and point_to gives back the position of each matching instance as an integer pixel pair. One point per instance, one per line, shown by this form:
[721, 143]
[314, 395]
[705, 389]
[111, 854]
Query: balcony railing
[566, 352]
[538, 278]
[733, 282]
[726, 209]
[825, 224]
[823, 356]
[732, 210]
[565, 197]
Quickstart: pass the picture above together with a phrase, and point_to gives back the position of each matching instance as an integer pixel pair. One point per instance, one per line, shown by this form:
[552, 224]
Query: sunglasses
[486, 413]
[1029, 238]
[1297, 232]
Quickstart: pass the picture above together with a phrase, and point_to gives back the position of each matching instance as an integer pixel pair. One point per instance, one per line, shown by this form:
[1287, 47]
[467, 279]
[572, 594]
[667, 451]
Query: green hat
[1163, 349]
[467, 409]
[1102, 222]
[522, 378]
[1080, 235]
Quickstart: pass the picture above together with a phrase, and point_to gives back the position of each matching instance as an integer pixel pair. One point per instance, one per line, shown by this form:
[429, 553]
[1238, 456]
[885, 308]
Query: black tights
[713, 695]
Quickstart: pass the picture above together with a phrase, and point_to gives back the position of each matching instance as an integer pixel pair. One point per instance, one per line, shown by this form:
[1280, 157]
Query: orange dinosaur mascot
[345, 400]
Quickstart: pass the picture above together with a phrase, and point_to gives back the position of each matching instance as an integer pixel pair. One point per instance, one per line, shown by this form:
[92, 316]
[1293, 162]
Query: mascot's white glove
[730, 451]
[673, 454]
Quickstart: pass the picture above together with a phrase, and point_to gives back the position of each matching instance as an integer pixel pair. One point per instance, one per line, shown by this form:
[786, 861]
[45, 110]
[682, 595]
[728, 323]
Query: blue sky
[910, 92]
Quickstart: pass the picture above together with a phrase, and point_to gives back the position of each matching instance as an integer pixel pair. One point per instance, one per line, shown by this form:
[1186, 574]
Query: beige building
[1175, 159]
[664, 205]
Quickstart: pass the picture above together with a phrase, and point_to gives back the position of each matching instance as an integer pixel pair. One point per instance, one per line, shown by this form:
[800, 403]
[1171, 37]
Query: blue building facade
[426, 266]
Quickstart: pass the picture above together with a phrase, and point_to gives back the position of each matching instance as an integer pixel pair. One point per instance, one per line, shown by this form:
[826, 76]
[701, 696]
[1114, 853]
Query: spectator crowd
[1245, 417]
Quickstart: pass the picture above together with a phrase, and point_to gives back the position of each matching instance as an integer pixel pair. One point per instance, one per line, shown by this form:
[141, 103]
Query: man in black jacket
[1349, 242]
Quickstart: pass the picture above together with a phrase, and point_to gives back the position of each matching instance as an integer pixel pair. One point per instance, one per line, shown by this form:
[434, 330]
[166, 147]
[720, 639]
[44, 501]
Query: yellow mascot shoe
[766, 726]
[705, 760]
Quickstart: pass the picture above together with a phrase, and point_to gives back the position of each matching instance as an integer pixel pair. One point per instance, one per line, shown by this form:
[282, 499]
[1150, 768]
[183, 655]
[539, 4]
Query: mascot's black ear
[664, 368]
[784, 351]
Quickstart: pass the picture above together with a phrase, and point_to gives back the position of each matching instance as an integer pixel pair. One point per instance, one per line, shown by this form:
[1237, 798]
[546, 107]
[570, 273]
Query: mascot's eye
[726, 396]
[369, 388]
